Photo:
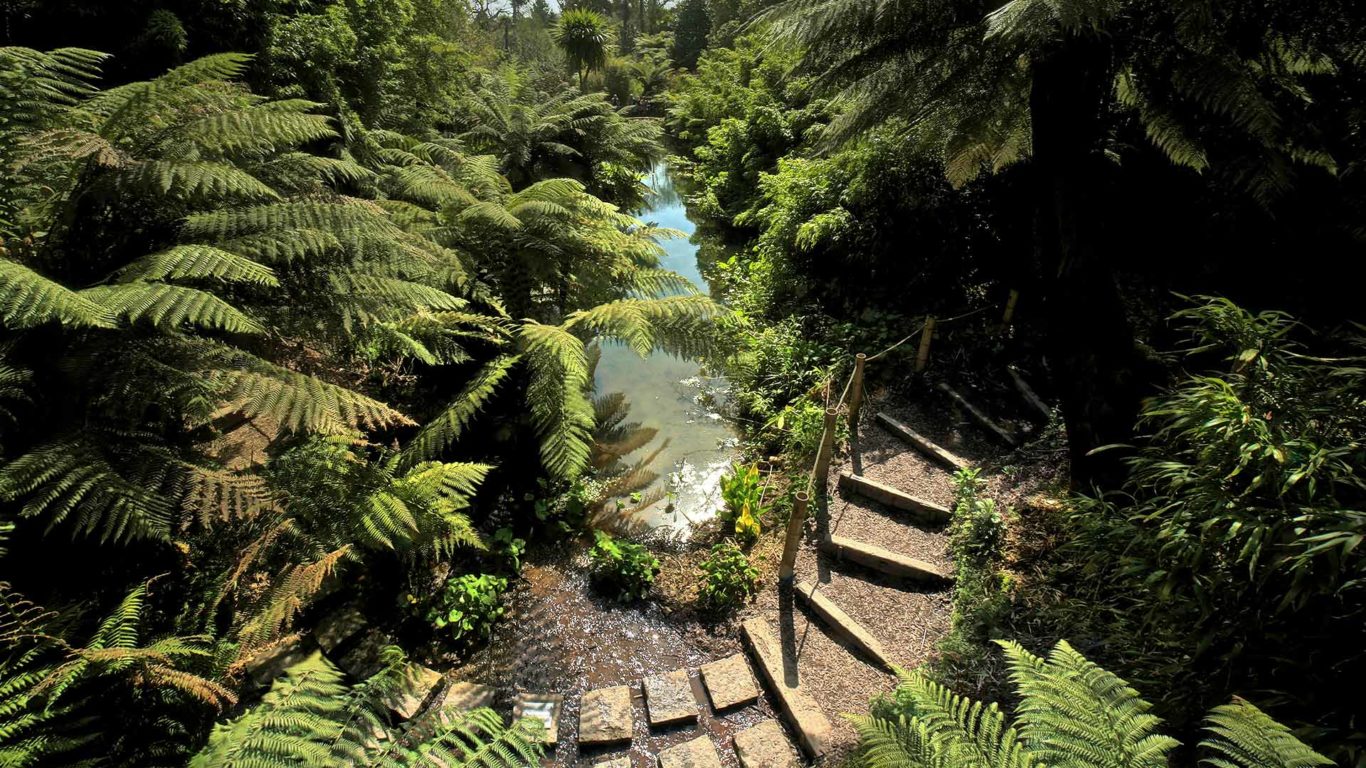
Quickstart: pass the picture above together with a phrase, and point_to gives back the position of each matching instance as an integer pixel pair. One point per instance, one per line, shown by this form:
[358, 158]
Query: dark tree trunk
[1090, 344]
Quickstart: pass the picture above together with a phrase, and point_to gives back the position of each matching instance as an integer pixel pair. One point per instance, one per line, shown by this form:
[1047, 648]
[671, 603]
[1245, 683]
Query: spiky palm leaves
[312, 717]
[582, 35]
[1071, 712]
[960, 74]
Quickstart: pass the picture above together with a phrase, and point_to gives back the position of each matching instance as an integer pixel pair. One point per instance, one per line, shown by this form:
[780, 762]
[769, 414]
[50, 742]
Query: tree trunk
[1090, 343]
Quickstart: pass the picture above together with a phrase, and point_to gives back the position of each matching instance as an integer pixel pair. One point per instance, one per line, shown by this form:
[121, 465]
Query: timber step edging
[842, 624]
[885, 560]
[980, 416]
[814, 730]
[926, 511]
[927, 448]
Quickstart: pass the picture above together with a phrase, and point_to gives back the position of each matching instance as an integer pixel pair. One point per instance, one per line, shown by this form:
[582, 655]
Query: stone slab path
[606, 716]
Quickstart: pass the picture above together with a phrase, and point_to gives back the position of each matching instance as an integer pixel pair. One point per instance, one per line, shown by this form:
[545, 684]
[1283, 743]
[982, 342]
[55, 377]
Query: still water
[695, 443]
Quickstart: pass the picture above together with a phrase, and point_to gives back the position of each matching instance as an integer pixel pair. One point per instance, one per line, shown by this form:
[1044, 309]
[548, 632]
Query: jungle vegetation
[304, 297]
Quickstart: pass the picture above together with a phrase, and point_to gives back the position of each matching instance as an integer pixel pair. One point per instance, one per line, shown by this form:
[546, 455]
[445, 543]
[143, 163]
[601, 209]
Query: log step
[884, 560]
[814, 730]
[924, 445]
[843, 625]
[980, 416]
[925, 511]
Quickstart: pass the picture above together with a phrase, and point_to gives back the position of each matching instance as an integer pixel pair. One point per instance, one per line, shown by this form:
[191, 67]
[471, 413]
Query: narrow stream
[671, 395]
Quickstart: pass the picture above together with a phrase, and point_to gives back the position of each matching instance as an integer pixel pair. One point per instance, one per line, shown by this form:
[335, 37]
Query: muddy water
[674, 397]
[561, 638]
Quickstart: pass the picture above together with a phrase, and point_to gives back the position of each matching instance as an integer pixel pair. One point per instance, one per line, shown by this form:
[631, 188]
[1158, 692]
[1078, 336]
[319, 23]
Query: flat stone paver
[765, 746]
[617, 762]
[605, 716]
[544, 707]
[814, 731]
[698, 753]
[729, 682]
[669, 698]
[464, 695]
[418, 682]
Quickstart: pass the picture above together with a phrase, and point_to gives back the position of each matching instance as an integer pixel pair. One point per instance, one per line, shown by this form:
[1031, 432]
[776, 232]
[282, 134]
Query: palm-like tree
[987, 84]
[582, 35]
[536, 136]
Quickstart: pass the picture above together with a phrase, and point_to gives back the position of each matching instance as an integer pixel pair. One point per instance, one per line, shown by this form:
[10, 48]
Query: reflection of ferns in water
[614, 440]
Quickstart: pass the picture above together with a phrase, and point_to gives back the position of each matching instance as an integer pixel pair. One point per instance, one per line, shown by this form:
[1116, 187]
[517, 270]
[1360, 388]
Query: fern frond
[27, 300]
[1242, 736]
[171, 307]
[560, 410]
[213, 496]
[268, 128]
[200, 262]
[1074, 712]
[291, 593]
[73, 479]
[199, 181]
[301, 403]
[438, 434]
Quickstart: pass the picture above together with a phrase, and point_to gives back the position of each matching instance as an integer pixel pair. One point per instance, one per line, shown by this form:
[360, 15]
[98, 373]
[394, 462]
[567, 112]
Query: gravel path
[907, 618]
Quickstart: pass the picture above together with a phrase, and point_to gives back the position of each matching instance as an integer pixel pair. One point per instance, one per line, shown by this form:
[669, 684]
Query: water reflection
[671, 400]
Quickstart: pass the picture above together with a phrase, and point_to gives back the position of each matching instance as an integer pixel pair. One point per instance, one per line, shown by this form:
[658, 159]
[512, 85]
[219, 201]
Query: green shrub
[743, 493]
[624, 569]
[982, 592]
[728, 579]
[467, 606]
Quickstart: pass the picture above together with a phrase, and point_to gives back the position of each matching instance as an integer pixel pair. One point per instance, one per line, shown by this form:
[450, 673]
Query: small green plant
[507, 544]
[728, 579]
[467, 606]
[624, 569]
[977, 533]
[743, 493]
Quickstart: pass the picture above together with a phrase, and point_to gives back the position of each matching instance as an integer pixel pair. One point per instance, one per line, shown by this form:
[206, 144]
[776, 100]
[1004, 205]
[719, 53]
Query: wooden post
[1010, 310]
[787, 569]
[856, 390]
[922, 358]
[827, 448]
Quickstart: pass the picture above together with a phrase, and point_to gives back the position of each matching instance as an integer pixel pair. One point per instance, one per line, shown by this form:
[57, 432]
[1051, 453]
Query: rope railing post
[922, 357]
[827, 449]
[856, 390]
[1009, 314]
[787, 569]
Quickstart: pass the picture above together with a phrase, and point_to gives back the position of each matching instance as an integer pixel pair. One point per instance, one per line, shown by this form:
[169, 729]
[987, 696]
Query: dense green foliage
[284, 325]
[728, 579]
[1071, 712]
[301, 303]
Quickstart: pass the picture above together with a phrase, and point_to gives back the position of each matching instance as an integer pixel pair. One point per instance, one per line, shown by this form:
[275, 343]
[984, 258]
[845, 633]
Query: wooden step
[884, 560]
[925, 511]
[814, 730]
[843, 625]
[980, 416]
[923, 444]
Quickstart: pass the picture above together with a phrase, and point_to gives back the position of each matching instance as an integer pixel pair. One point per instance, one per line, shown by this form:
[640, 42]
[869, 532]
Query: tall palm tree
[582, 35]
